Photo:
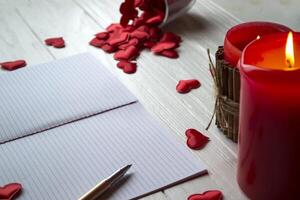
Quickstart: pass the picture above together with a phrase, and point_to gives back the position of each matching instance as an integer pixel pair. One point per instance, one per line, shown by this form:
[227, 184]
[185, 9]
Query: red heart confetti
[138, 29]
[128, 67]
[195, 139]
[97, 42]
[132, 42]
[13, 65]
[168, 36]
[161, 46]
[128, 54]
[185, 86]
[102, 35]
[208, 195]
[108, 48]
[10, 191]
[169, 53]
[57, 42]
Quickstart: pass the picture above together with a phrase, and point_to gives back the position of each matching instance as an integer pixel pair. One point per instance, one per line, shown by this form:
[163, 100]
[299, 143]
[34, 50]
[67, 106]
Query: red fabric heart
[195, 139]
[108, 48]
[185, 86]
[161, 46]
[118, 37]
[155, 33]
[57, 42]
[113, 27]
[10, 191]
[139, 35]
[133, 42]
[157, 18]
[149, 44]
[97, 42]
[102, 35]
[169, 53]
[13, 65]
[128, 54]
[128, 67]
[168, 36]
[208, 195]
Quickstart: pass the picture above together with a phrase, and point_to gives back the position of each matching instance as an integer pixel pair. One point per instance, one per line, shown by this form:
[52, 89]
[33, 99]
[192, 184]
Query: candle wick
[289, 63]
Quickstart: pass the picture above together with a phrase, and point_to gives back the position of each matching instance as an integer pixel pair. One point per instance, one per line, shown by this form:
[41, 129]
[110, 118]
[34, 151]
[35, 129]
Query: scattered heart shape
[127, 67]
[169, 36]
[96, 42]
[169, 53]
[208, 195]
[132, 42]
[102, 35]
[10, 191]
[195, 139]
[161, 46]
[128, 54]
[185, 86]
[140, 35]
[13, 65]
[57, 42]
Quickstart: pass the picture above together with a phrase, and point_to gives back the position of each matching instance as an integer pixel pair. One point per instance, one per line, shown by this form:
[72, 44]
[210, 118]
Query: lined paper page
[44, 96]
[65, 162]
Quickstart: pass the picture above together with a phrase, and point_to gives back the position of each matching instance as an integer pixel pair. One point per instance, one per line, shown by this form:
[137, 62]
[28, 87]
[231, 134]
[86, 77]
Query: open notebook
[66, 125]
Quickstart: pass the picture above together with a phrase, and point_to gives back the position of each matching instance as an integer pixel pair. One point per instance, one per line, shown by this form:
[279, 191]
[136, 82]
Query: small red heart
[195, 139]
[118, 37]
[57, 42]
[149, 44]
[113, 27]
[10, 191]
[185, 86]
[108, 48]
[208, 195]
[128, 67]
[161, 46]
[169, 36]
[143, 28]
[155, 33]
[13, 65]
[96, 42]
[140, 35]
[132, 42]
[102, 35]
[169, 53]
[156, 19]
[128, 54]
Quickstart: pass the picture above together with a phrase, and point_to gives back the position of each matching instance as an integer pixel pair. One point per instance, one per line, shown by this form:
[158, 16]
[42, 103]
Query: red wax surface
[238, 37]
[269, 141]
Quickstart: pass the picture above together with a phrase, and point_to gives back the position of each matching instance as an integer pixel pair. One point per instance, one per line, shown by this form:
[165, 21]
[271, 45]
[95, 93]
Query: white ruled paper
[64, 162]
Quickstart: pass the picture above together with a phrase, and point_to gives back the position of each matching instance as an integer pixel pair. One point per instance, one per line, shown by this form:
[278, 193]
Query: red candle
[269, 141]
[238, 37]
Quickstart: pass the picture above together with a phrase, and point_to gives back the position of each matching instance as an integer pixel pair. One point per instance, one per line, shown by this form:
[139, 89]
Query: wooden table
[25, 24]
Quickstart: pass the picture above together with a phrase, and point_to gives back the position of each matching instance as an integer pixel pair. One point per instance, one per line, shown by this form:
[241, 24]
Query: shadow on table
[190, 23]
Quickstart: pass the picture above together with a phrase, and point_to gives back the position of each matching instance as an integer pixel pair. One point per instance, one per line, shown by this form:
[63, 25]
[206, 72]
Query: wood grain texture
[25, 24]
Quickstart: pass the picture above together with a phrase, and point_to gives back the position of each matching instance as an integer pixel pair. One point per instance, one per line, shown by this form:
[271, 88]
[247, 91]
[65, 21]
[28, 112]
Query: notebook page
[65, 162]
[37, 98]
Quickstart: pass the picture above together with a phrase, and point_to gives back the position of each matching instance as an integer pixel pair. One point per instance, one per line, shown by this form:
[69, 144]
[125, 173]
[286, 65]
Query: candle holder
[227, 82]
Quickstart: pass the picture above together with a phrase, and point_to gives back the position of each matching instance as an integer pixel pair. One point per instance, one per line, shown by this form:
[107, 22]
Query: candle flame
[289, 50]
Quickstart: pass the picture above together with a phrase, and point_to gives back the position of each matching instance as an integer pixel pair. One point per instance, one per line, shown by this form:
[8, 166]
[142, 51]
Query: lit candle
[269, 141]
[238, 37]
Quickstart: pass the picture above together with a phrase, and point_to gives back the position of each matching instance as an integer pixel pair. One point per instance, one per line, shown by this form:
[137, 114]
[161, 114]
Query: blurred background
[282, 11]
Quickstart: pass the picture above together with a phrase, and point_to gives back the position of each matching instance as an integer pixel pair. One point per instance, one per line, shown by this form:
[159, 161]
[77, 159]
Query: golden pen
[104, 185]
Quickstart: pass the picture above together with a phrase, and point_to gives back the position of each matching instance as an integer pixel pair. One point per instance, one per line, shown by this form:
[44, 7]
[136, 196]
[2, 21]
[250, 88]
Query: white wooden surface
[25, 24]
